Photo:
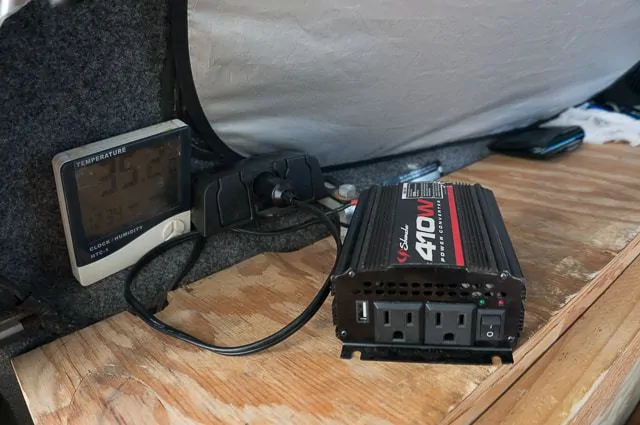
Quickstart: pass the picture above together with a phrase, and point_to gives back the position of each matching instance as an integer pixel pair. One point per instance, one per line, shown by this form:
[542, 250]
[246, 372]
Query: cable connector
[271, 188]
[233, 197]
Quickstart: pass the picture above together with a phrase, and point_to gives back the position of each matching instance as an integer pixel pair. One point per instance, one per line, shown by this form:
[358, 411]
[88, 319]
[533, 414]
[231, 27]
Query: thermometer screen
[118, 192]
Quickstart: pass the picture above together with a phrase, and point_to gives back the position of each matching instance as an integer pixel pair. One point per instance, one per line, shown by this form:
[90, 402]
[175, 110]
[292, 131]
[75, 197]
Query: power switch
[490, 325]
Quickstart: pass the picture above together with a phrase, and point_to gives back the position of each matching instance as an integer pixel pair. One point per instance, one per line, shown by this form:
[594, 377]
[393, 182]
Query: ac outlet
[397, 322]
[449, 324]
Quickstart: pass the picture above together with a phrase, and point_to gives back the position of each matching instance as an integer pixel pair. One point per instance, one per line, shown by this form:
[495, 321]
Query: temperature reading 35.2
[118, 192]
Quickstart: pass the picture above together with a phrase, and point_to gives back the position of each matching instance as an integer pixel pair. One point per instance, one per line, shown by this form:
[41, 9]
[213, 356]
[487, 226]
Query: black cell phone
[541, 142]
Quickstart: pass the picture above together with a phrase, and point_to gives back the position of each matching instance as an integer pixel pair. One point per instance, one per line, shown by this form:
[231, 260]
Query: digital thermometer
[122, 196]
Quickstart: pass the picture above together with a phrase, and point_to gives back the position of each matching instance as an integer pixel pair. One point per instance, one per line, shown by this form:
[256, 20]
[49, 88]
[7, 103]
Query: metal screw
[352, 274]
[504, 275]
[343, 334]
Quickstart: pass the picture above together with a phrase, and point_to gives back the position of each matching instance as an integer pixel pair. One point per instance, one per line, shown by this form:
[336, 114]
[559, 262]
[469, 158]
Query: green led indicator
[482, 302]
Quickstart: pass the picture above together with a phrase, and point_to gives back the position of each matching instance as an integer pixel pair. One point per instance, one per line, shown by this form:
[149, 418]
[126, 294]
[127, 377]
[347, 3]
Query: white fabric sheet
[348, 80]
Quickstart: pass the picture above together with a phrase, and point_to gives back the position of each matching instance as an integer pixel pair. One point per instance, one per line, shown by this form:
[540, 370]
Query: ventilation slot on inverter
[420, 290]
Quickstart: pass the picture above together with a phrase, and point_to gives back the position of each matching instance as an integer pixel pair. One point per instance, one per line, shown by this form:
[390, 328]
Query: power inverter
[428, 274]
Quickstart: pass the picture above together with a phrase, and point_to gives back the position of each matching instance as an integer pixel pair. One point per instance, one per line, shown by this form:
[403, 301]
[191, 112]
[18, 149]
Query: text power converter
[428, 273]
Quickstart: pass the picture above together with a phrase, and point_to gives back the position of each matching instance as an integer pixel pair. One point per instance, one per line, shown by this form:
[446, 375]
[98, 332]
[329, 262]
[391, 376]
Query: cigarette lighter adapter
[226, 198]
[428, 274]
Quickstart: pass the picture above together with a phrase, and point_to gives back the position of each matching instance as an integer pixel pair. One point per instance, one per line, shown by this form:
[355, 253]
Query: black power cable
[161, 300]
[292, 228]
[240, 350]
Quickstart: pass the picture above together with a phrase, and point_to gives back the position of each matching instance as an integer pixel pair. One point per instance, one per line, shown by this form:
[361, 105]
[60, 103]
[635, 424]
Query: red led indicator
[500, 303]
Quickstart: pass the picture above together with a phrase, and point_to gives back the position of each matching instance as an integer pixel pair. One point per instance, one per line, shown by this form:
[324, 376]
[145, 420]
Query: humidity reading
[118, 192]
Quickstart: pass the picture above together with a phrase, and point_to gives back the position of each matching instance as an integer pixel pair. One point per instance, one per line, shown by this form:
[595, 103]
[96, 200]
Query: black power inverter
[428, 273]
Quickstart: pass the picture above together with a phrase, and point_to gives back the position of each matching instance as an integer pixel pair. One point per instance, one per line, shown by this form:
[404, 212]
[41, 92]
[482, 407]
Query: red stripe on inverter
[455, 227]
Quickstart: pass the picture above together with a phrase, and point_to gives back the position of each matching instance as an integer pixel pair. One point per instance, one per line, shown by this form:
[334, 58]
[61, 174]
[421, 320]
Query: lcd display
[118, 192]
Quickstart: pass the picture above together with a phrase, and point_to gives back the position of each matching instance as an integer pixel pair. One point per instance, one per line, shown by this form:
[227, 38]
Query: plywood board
[575, 201]
[574, 222]
[591, 374]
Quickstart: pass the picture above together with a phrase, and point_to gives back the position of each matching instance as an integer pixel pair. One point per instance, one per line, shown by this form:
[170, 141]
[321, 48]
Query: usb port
[362, 311]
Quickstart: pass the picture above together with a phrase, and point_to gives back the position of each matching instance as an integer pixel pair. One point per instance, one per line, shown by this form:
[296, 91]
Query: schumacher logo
[403, 256]
[425, 230]
[403, 252]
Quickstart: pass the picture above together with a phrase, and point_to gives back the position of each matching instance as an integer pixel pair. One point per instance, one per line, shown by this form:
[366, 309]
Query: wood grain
[570, 287]
[526, 355]
[613, 399]
[126, 368]
[120, 371]
[591, 374]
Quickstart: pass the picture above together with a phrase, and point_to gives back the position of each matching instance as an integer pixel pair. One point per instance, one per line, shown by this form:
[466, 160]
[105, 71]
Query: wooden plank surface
[591, 374]
[569, 219]
[532, 349]
[572, 201]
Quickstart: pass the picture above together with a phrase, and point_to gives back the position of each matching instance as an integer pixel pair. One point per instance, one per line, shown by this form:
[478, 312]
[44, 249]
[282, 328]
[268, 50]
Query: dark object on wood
[225, 199]
[428, 274]
[539, 143]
